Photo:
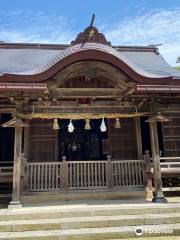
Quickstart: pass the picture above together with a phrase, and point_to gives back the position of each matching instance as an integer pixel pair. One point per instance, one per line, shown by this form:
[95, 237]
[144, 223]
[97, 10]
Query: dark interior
[6, 150]
[83, 144]
[6, 142]
[146, 139]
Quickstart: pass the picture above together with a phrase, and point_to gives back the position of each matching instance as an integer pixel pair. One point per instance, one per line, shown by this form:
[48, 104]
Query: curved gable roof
[38, 64]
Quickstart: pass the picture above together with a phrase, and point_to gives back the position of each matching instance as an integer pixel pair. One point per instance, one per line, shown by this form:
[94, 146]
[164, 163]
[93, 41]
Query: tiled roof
[30, 59]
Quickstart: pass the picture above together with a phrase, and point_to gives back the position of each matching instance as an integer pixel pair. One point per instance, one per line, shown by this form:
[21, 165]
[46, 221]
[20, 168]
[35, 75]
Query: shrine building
[87, 119]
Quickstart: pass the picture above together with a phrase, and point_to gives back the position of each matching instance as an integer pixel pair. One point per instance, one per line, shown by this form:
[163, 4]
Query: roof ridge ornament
[91, 34]
[92, 20]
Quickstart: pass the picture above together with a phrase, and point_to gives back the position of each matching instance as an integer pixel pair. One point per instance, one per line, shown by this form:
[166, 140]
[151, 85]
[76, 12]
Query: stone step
[88, 222]
[126, 232]
[86, 210]
[31, 235]
[97, 233]
[151, 238]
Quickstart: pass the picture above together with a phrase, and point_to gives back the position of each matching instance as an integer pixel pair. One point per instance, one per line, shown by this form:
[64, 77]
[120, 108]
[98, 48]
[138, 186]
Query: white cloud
[19, 26]
[160, 26]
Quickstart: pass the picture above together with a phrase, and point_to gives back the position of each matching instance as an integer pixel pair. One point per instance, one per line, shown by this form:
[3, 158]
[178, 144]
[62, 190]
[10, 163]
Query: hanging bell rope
[56, 125]
[87, 125]
[117, 123]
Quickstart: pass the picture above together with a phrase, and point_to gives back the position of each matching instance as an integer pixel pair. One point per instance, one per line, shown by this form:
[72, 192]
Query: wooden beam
[94, 103]
[84, 109]
[86, 92]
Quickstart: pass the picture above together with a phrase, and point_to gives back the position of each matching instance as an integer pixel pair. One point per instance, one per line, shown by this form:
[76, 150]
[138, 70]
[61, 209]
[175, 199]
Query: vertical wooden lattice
[123, 140]
[42, 141]
[171, 135]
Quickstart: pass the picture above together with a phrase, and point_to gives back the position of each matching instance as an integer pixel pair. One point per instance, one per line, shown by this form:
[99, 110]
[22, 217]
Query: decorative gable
[91, 34]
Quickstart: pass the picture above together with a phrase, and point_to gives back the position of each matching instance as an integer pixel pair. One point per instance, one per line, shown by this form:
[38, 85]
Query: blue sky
[130, 22]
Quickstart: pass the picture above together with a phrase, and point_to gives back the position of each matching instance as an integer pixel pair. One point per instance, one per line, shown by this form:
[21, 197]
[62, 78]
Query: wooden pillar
[56, 145]
[16, 201]
[25, 157]
[18, 125]
[148, 174]
[138, 137]
[24, 173]
[26, 140]
[158, 194]
[109, 172]
[64, 175]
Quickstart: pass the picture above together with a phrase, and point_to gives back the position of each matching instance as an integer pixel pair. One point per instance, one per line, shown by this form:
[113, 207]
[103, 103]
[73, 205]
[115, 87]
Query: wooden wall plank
[123, 140]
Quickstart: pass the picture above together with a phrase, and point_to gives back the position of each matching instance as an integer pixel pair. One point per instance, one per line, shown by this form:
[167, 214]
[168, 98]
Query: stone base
[149, 195]
[114, 194]
[159, 200]
[14, 205]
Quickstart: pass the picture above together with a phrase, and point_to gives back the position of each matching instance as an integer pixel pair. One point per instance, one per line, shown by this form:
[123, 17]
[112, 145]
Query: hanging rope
[79, 116]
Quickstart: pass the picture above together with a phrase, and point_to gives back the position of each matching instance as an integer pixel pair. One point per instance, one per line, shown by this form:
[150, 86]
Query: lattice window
[171, 135]
[94, 142]
[104, 146]
[42, 141]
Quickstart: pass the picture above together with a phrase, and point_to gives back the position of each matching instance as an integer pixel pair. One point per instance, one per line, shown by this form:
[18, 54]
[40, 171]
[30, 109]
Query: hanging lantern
[103, 126]
[71, 127]
[117, 123]
[87, 125]
[56, 125]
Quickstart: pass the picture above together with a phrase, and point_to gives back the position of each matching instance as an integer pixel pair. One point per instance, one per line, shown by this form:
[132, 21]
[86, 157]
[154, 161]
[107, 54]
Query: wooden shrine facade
[88, 116]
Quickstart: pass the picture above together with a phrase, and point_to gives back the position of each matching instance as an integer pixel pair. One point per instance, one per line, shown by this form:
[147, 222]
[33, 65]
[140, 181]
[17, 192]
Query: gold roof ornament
[91, 34]
[158, 117]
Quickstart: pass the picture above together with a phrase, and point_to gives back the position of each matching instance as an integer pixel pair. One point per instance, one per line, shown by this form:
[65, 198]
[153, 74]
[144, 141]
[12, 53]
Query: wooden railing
[128, 173]
[170, 165]
[44, 176]
[82, 175]
[6, 174]
[85, 175]
[6, 171]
